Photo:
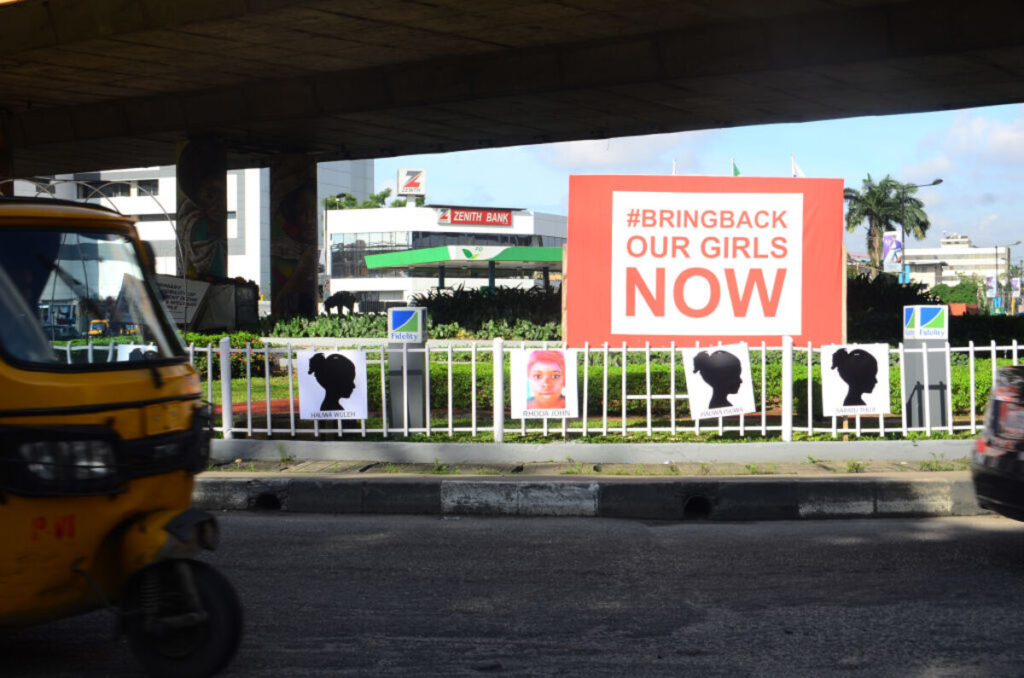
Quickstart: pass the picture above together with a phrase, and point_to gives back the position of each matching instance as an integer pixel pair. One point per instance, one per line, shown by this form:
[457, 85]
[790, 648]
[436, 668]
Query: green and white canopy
[471, 256]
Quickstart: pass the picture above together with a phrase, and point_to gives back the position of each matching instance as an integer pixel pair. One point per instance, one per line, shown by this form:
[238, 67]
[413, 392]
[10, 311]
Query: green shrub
[473, 309]
[355, 325]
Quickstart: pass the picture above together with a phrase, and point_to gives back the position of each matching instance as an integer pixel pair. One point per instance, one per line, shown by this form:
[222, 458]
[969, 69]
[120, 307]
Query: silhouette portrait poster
[544, 383]
[718, 380]
[854, 379]
[332, 384]
[133, 352]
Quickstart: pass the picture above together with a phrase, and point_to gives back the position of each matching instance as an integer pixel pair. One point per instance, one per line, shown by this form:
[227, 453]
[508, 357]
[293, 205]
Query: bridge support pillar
[293, 235]
[202, 208]
[6, 164]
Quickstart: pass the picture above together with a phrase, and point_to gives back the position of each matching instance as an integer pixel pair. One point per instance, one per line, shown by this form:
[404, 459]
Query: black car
[997, 464]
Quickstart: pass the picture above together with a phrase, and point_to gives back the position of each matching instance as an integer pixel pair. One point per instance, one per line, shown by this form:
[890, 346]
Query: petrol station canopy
[472, 257]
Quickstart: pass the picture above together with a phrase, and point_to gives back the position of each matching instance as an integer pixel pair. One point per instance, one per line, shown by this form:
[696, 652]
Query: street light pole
[903, 224]
[1013, 292]
[999, 293]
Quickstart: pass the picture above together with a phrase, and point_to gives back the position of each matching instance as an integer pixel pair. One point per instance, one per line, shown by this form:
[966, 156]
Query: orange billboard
[689, 259]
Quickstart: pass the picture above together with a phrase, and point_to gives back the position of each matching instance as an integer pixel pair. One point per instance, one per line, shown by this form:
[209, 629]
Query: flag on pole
[735, 169]
[797, 172]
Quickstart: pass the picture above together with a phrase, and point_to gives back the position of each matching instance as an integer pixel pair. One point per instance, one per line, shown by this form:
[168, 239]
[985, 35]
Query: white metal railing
[624, 404]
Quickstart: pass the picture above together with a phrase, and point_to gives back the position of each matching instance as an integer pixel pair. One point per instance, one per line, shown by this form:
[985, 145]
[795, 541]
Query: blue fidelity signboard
[407, 325]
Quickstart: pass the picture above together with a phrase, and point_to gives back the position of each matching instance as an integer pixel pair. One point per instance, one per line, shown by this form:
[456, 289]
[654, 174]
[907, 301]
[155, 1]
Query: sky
[978, 153]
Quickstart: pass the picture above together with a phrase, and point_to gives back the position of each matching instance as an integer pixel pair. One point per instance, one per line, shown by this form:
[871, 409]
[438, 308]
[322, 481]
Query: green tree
[967, 291]
[884, 206]
[347, 201]
[401, 202]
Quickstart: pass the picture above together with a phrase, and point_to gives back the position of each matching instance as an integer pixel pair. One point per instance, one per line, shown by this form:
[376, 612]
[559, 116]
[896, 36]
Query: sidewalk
[808, 480]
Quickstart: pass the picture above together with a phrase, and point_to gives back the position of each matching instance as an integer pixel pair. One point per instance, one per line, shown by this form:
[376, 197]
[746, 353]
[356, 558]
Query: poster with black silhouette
[134, 352]
[544, 383]
[332, 384]
[854, 379]
[718, 380]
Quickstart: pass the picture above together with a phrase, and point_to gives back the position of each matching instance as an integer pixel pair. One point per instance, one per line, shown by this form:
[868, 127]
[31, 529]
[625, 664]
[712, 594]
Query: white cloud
[650, 153]
[928, 170]
[987, 137]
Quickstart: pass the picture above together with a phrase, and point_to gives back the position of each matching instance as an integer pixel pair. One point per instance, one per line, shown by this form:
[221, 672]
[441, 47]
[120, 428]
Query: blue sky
[978, 153]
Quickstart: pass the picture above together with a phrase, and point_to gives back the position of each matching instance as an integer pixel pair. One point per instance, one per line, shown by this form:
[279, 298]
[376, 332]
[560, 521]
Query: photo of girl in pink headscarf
[544, 383]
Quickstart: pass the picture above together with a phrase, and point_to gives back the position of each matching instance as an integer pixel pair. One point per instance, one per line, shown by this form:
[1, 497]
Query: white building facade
[957, 257]
[150, 195]
[355, 233]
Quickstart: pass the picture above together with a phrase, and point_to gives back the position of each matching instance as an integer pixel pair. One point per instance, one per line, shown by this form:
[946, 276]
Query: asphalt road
[400, 595]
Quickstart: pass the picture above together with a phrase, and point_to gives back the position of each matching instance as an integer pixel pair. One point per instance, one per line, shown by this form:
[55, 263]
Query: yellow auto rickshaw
[99, 445]
[99, 328]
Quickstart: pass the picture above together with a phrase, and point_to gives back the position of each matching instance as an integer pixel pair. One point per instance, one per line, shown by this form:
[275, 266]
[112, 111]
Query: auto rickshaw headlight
[77, 459]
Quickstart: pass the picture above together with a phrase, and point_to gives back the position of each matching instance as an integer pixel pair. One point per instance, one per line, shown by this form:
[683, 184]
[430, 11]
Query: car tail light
[1010, 420]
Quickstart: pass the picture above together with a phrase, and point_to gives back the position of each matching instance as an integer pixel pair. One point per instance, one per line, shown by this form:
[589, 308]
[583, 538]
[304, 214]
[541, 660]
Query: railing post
[226, 410]
[498, 383]
[787, 389]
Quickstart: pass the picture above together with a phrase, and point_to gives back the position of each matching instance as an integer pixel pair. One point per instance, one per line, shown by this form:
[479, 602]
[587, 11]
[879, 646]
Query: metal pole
[903, 226]
[996, 295]
[903, 210]
[787, 388]
[226, 409]
[498, 380]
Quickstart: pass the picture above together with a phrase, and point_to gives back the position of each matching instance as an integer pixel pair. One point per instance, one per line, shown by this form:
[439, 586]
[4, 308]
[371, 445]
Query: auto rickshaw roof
[35, 209]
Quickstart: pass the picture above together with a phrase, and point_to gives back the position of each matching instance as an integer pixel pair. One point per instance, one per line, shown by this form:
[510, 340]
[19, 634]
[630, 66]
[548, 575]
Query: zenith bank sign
[704, 259]
[475, 217]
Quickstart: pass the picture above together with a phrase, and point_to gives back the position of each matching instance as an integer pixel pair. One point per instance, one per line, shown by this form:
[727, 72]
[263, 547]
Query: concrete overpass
[100, 84]
[210, 86]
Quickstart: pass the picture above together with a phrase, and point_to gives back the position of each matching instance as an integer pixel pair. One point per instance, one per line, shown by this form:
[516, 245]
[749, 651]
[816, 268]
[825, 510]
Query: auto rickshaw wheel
[184, 619]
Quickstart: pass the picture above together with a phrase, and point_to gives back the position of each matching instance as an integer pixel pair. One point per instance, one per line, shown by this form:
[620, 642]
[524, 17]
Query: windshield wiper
[143, 356]
[158, 381]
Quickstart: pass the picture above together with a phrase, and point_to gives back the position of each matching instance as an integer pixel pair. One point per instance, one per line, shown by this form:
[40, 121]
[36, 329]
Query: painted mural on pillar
[202, 209]
[293, 230]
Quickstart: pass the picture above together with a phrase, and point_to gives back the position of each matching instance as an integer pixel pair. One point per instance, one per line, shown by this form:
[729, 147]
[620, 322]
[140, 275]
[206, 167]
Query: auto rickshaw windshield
[56, 284]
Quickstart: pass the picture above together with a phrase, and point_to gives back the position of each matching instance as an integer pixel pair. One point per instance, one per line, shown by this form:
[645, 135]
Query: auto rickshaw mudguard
[162, 535]
[50, 542]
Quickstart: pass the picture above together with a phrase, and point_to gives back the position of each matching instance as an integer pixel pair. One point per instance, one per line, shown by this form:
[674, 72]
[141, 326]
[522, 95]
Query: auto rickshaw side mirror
[150, 256]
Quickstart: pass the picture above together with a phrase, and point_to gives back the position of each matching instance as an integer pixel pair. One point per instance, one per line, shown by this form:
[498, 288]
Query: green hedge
[238, 340]
[862, 328]
[372, 325]
[636, 379]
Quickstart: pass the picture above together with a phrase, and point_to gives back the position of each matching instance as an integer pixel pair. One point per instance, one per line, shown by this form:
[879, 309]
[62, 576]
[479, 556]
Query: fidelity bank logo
[925, 322]
[406, 320]
[406, 324]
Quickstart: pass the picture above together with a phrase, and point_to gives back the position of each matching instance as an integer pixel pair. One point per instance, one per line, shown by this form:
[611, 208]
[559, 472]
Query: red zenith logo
[414, 180]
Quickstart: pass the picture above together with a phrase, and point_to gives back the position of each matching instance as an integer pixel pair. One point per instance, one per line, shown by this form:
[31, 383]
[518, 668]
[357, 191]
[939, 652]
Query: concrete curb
[724, 499]
[398, 451]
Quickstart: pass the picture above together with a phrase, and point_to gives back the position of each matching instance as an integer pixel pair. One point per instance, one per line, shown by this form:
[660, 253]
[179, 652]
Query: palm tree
[886, 206]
